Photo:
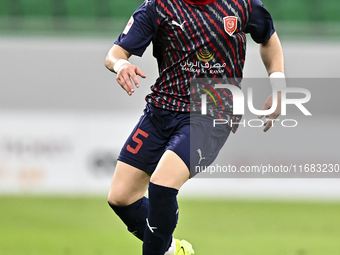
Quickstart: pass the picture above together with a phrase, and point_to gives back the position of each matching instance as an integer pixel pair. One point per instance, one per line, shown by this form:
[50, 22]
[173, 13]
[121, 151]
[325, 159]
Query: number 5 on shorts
[137, 140]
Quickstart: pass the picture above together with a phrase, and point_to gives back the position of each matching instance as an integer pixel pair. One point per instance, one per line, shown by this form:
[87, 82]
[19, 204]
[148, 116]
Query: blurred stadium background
[63, 120]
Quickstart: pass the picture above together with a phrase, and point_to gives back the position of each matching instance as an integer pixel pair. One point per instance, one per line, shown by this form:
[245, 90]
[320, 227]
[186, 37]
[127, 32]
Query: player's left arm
[272, 57]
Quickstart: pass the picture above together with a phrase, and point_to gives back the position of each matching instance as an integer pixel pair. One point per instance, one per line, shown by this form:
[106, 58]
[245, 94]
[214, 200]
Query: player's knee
[117, 199]
[117, 202]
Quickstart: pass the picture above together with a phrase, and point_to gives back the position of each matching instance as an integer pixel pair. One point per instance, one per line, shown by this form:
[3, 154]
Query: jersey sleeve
[140, 29]
[260, 25]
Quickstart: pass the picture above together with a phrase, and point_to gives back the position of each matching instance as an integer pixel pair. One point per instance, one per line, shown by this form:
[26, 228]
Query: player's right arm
[117, 61]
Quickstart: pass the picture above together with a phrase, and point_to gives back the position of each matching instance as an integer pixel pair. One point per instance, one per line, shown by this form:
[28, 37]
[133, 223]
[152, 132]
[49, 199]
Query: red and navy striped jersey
[194, 39]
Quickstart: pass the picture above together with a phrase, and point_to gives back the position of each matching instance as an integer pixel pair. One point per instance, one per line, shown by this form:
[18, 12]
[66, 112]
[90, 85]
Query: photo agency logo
[238, 107]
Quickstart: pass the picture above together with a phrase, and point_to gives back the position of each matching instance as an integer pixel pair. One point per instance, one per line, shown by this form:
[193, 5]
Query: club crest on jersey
[230, 24]
[128, 26]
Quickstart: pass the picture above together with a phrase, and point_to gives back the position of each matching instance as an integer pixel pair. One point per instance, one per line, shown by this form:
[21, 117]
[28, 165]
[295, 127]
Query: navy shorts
[191, 136]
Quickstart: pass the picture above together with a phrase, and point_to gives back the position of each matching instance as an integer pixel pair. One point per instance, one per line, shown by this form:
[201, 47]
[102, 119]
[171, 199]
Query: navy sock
[134, 216]
[161, 221]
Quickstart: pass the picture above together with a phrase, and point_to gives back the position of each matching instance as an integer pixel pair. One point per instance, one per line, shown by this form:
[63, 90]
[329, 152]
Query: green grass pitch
[82, 225]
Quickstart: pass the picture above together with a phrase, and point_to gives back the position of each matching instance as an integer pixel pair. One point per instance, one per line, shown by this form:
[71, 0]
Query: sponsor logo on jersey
[204, 65]
[205, 55]
[128, 26]
[230, 24]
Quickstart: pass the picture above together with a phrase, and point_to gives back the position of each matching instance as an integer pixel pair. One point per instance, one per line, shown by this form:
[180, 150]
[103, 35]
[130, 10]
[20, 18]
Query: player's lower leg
[171, 173]
[134, 216]
[128, 187]
[161, 220]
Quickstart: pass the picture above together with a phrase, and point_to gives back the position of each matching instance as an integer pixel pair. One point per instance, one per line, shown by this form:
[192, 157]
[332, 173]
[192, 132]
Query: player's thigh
[128, 184]
[147, 142]
[206, 141]
[173, 167]
[171, 171]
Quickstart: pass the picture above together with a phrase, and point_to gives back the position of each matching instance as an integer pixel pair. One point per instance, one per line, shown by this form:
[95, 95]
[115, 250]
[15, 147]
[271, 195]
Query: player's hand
[273, 116]
[127, 77]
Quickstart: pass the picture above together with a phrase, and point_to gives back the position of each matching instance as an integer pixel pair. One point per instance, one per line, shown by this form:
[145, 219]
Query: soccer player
[191, 39]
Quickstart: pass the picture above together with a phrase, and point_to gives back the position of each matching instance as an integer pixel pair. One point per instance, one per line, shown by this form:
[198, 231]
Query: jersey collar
[199, 2]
